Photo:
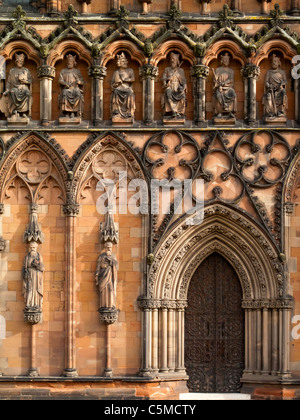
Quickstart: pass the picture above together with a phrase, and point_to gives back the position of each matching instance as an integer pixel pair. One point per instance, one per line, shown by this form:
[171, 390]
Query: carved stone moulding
[32, 316]
[108, 315]
[2, 244]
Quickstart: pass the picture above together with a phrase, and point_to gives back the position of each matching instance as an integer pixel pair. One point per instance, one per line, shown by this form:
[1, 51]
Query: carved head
[174, 60]
[20, 59]
[275, 62]
[225, 59]
[122, 60]
[71, 61]
[33, 246]
[108, 248]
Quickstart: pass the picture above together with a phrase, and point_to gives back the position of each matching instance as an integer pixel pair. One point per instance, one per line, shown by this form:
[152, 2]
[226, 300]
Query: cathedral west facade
[107, 288]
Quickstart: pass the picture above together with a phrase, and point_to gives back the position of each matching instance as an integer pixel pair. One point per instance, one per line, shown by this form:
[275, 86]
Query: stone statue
[18, 92]
[33, 269]
[224, 96]
[123, 98]
[175, 89]
[71, 99]
[106, 277]
[275, 99]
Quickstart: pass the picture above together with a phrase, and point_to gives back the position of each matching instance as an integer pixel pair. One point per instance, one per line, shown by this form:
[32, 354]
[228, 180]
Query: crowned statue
[71, 99]
[16, 102]
[275, 99]
[224, 95]
[123, 98]
[173, 100]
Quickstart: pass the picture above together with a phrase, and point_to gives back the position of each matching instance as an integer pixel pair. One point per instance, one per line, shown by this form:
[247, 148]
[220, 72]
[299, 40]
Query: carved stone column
[85, 4]
[71, 210]
[46, 74]
[205, 7]
[264, 6]
[199, 74]
[53, 7]
[250, 75]
[97, 73]
[148, 73]
[145, 4]
[297, 101]
[294, 9]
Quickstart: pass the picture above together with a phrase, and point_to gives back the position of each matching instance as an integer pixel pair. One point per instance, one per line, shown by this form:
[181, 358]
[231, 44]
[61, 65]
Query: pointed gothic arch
[30, 142]
[254, 257]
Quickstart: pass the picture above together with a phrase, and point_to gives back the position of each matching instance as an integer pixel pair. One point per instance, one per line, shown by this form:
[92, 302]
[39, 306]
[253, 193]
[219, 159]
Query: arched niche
[237, 61]
[57, 59]
[135, 59]
[263, 60]
[32, 62]
[161, 59]
[35, 165]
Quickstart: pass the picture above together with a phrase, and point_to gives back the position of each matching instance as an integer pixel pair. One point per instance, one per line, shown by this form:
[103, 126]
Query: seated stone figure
[71, 99]
[175, 85]
[18, 93]
[275, 99]
[224, 96]
[123, 98]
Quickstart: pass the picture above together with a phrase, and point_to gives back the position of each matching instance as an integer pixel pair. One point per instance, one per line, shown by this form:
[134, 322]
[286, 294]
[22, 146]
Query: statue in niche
[106, 277]
[123, 98]
[71, 100]
[275, 99]
[175, 90]
[18, 93]
[224, 96]
[33, 269]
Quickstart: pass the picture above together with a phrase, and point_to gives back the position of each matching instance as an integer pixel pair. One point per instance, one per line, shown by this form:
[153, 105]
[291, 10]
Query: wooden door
[214, 328]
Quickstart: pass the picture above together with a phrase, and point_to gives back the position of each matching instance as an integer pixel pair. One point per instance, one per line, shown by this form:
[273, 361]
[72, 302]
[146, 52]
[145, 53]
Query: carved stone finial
[108, 231]
[33, 232]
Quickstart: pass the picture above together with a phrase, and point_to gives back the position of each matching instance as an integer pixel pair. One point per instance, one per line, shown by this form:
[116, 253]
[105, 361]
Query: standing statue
[224, 96]
[33, 269]
[174, 83]
[71, 100]
[106, 277]
[123, 98]
[275, 99]
[18, 93]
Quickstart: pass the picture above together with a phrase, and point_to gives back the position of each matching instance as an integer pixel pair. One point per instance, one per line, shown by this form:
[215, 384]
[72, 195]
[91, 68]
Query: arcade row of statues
[17, 97]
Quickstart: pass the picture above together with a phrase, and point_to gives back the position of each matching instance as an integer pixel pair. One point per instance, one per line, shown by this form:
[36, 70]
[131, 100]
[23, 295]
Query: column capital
[250, 71]
[1, 208]
[71, 209]
[148, 71]
[46, 72]
[199, 71]
[97, 72]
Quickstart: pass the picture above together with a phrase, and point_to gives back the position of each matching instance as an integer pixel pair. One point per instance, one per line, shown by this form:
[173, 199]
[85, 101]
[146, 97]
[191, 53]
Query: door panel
[214, 328]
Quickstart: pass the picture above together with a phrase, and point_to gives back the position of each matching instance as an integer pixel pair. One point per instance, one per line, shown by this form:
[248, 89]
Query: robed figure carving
[224, 96]
[175, 89]
[18, 92]
[275, 99]
[106, 277]
[33, 269]
[123, 98]
[71, 81]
